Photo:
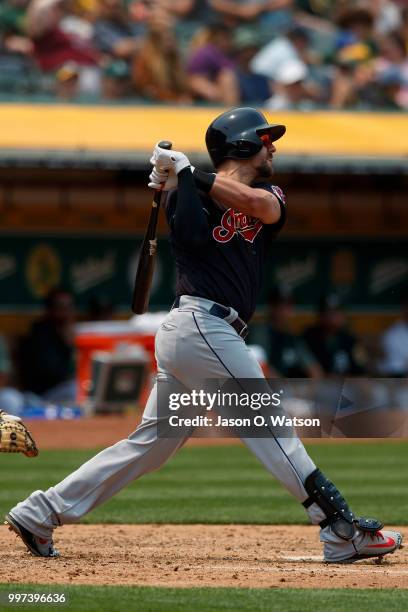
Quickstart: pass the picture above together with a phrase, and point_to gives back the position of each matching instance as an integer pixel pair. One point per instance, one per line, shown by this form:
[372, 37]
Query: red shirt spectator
[52, 46]
[56, 48]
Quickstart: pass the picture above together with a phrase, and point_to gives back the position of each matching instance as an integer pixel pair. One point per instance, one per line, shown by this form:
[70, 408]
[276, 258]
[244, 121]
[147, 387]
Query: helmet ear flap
[243, 146]
[244, 149]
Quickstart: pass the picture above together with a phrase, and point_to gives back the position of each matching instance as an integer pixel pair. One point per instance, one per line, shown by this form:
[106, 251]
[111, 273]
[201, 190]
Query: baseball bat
[147, 259]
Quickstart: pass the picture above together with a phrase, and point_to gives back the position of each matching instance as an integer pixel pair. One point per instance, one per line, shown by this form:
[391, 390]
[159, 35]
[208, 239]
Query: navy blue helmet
[236, 134]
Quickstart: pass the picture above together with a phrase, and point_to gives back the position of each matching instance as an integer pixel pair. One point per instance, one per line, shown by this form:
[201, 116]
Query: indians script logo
[237, 223]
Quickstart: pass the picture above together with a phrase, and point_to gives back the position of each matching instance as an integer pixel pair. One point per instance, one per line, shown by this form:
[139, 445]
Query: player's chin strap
[338, 514]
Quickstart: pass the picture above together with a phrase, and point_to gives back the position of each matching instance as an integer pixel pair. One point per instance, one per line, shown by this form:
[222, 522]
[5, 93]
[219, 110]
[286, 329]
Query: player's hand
[164, 159]
[164, 180]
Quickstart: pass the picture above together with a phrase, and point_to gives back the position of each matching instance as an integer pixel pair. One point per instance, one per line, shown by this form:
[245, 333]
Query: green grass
[226, 485]
[152, 599]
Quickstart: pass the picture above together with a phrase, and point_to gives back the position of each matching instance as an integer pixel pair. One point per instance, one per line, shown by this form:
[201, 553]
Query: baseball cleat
[39, 547]
[365, 546]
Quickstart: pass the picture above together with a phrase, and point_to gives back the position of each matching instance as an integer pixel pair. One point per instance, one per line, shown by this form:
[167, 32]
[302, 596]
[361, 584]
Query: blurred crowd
[42, 363]
[281, 54]
[329, 347]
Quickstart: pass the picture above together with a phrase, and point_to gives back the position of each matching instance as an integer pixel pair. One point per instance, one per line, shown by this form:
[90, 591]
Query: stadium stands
[281, 54]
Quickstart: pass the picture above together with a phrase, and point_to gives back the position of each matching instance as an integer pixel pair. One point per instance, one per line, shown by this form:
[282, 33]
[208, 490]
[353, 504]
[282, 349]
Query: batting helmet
[236, 134]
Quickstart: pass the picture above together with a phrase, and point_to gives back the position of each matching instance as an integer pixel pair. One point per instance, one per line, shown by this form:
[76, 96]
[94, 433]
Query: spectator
[392, 68]
[12, 17]
[387, 16]
[323, 10]
[318, 18]
[79, 21]
[67, 82]
[356, 48]
[254, 88]
[158, 72]
[17, 70]
[116, 82]
[290, 89]
[11, 400]
[269, 17]
[287, 354]
[337, 351]
[47, 353]
[356, 40]
[235, 11]
[197, 10]
[190, 16]
[390, 92]
[276, 18]
[53, 47]
[394, 344]
[100, 308]
[211, 70]
[404, 26]
[295, 46]
[337, 41]
[114, 33]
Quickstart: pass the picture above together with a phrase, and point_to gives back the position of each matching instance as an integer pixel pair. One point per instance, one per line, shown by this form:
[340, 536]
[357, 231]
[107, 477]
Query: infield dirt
[194, 555]
[102, 431]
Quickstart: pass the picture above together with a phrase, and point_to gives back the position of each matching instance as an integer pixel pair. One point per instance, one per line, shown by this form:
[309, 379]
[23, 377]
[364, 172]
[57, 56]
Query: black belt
[222, 312]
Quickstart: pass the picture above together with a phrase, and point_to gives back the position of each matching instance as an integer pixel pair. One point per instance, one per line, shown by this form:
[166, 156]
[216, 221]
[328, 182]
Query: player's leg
[99, 478]
[216, 351]
[109, 471]
[211, 349]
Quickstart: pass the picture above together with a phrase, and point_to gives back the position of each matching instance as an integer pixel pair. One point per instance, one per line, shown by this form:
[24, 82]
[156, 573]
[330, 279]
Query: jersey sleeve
[171, 204]
[280, 196]
[170, 209]
[186, 216]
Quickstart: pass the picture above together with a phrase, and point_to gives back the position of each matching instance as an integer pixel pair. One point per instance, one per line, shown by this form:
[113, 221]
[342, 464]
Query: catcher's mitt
[15, 437]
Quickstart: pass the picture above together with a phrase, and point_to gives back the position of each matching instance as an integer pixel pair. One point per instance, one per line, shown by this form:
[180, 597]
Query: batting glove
[164, 159]
[164, 180]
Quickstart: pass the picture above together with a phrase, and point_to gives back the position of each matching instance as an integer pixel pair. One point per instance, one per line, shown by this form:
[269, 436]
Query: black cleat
[39, 547]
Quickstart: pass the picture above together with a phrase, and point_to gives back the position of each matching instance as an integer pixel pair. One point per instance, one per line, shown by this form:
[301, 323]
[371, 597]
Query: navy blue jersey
[228, 270]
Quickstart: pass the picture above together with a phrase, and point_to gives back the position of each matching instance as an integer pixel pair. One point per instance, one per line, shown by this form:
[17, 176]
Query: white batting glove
[164, 180]
[164, 159]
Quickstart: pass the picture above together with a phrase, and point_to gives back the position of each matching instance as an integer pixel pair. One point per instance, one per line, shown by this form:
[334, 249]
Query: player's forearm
[234, 194]
[255, 202]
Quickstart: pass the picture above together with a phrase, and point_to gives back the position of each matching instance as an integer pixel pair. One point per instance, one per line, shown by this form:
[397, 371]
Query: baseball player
[220, 225]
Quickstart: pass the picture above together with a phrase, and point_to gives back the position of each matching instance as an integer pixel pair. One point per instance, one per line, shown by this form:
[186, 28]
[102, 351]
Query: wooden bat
[147, 259]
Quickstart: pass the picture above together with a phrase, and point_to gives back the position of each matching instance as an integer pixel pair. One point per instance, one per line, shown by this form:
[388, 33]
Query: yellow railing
[103, 128]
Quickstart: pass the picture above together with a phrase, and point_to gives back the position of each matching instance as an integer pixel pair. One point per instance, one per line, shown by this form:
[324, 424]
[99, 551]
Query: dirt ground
[194, 555]
[102, 431]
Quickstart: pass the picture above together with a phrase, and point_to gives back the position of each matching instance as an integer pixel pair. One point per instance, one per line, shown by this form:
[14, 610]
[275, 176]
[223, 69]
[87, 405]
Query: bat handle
[163, 144]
